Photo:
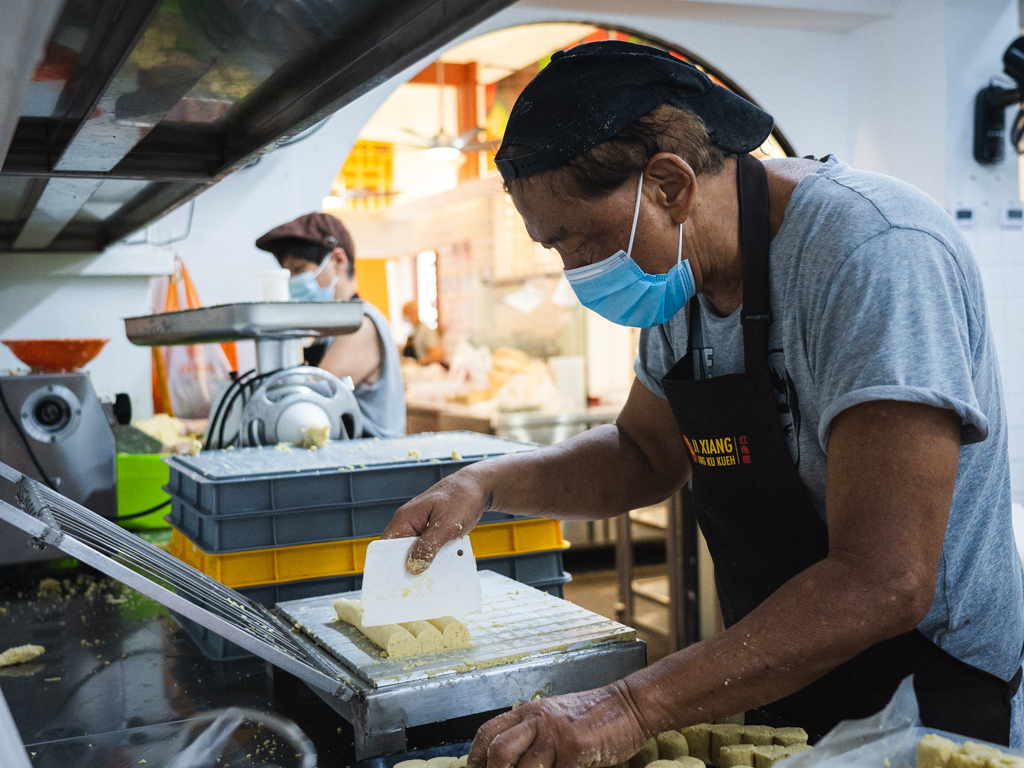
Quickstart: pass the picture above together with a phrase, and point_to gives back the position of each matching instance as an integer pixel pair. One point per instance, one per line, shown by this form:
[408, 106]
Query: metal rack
[683, 592]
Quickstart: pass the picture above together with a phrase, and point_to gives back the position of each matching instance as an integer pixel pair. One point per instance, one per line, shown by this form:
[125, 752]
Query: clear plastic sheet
[887, 739]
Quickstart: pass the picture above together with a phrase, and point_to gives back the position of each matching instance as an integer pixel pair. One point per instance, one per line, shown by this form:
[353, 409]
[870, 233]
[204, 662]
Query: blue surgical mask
[617, 289]
[304, 286]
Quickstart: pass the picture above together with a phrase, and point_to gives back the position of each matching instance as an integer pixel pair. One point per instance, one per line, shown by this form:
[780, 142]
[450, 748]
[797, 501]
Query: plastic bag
[186, 378]
[887, 739]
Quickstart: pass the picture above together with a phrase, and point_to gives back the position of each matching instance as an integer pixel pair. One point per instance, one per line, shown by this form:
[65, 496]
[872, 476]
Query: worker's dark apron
[762, 528]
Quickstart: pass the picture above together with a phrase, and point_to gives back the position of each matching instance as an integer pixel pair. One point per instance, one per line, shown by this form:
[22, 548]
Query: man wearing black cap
[320, 254]
[817, 358]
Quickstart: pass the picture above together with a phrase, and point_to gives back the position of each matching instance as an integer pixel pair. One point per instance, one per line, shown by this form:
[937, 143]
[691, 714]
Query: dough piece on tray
[759, 735]
[724, 735]
[394, 639]
[690, 762]
[736, 754]
[766, 757]
[412, 764]
[430, 639]
[698, 737]
[672, 745]
[787, 737]
[20, 655]
[933, 751]
[648, 754]
[443, 762]
[455, 634]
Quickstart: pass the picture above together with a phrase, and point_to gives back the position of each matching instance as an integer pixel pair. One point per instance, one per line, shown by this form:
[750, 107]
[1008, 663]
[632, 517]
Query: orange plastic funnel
[55, 355]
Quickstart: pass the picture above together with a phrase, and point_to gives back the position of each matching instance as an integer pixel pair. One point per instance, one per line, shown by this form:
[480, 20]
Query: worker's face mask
[620, 291]
[304, 286]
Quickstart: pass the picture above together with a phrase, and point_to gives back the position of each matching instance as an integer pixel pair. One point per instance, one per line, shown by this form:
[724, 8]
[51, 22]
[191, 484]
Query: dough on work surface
[787, 737]
[443, 762]
[973, 748]
[698, 737]
[759, 735]
[455, 634]
[690, 762]
[766, 757]
[672, 745]
[648, 754]
[724, 736]
[20, 655]
[431, 641]
[664, 764]
[1006, 761]
[412, 764]
[736, 754]
[967, 760]
[463, 761]
[315, 437]
[395, 640]
[933, 751]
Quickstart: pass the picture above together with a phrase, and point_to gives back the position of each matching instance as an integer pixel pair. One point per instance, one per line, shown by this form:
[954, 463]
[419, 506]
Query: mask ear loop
[679, 256]
[636, 216]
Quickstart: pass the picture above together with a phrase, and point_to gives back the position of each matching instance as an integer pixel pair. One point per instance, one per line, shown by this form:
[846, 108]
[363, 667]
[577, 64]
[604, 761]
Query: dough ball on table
[454, 633]
[698, 738]
[672, 745]
[766, 757]
[759, 735]
[648, 754]
[443, 762]
[689, 762]
[736, 754]
[412, 764]
[725, 735]
[429, 637]
[20, 655]
[787, 737]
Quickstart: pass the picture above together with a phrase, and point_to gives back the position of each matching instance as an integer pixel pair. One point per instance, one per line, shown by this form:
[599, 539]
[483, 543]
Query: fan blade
[483, 146]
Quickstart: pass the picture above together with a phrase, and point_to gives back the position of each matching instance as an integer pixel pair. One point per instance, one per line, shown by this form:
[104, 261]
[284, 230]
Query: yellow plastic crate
[341, 558]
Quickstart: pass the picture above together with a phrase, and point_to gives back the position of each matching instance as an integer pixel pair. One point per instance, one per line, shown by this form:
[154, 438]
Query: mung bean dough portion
[787, 737]
[648, 754]
[20, 654]
[736, 754]
[394, 639]
[672, 745]
[454, 633]
[698, 738]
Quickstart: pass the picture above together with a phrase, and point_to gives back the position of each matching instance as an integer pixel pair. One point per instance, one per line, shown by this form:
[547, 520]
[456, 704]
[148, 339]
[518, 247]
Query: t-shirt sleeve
[897, 326]
[660, 348]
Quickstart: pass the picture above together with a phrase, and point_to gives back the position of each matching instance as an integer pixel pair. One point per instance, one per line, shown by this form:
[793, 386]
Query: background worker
[319, 253]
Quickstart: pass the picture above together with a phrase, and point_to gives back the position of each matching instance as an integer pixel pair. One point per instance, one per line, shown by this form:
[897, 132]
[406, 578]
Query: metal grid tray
[256, 320]
[517, 624]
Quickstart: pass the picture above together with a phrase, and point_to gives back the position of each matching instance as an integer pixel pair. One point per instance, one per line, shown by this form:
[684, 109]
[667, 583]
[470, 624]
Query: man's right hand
[446, 512]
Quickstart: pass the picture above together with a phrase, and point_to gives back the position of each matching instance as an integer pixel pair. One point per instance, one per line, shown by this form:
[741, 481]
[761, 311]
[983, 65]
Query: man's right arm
[604, 472]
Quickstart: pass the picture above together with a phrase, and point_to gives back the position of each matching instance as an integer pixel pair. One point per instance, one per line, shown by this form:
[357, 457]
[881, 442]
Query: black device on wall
[990, 110]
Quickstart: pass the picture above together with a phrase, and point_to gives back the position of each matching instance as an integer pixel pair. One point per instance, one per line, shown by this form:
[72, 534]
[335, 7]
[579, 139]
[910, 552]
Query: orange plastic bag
[186, 378]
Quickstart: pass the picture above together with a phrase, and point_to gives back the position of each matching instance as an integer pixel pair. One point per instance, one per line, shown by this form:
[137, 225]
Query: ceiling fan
[444, 147]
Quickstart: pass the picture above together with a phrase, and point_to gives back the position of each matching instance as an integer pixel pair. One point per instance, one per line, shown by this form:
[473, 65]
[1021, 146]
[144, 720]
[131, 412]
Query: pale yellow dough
[443, 762]
[648, 754]
[766, 757]
[787, 737]
[454, 633]
[698, 737]
[20, 655]
[412, 764]
[672, 745]
[431, 641]
[690, 762]
[759, 735]
[724, 735]
[394, 639]
[736, 754]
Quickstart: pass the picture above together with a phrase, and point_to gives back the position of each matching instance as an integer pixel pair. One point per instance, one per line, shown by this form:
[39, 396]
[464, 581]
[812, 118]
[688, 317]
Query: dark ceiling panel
[180, 93]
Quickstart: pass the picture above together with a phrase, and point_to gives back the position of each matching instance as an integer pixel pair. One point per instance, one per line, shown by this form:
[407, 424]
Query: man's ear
[677, 184]
[340, 256]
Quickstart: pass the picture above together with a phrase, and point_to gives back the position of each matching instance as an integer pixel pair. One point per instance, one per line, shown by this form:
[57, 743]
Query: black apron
[762, 528]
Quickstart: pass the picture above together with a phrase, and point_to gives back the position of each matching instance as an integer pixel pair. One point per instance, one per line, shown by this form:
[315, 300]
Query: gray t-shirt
[876, 296]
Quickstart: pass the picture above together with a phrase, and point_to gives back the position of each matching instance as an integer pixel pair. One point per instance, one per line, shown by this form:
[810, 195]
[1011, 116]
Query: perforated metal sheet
[349, 455]
[517, 624]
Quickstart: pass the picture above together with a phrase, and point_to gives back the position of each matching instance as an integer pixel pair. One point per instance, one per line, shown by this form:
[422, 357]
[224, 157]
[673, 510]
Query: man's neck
[716, 257]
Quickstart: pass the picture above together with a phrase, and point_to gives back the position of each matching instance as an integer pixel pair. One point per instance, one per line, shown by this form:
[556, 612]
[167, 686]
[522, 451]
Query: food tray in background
[341, 558]
[266, 530]
[217, 648]
[342, 474]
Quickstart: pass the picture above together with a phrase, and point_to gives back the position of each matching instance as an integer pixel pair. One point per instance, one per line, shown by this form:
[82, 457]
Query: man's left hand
[579, 730]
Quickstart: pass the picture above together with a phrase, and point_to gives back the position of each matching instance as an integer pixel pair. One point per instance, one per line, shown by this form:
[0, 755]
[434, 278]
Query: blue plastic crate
[344, 473]
[267, 530]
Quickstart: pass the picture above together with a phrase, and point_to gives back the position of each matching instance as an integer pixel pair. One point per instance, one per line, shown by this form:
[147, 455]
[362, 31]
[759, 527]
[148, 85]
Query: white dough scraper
[392, 595]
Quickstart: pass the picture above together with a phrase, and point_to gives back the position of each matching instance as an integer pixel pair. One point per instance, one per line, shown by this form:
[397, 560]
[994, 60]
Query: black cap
[591, 92]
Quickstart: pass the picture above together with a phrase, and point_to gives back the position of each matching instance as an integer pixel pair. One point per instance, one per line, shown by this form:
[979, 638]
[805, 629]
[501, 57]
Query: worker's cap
[591, 92]
[320, 228]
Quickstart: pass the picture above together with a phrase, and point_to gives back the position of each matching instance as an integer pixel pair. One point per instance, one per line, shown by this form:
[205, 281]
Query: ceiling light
[332, 201]
[442, 154]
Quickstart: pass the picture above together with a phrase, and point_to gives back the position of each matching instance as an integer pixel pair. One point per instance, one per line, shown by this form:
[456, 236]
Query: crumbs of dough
[195, 447]
[283, 447]
[456, 456]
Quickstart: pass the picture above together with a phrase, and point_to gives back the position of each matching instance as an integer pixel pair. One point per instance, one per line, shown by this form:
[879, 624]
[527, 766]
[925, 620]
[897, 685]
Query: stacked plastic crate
[283, 523]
